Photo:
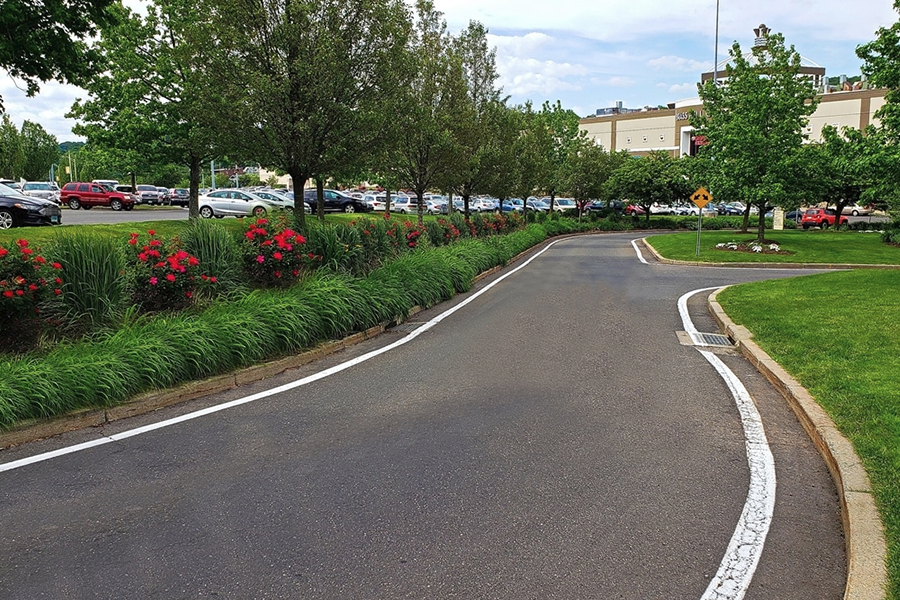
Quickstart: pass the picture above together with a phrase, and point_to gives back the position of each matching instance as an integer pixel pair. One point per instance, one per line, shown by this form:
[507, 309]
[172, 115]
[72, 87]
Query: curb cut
[863, 531]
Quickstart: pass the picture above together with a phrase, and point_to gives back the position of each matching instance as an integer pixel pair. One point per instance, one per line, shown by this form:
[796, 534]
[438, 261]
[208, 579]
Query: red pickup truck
[820, 217]
[88, 195]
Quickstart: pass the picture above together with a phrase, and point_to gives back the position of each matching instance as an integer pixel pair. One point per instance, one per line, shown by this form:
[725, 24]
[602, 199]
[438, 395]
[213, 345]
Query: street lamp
[716, 49]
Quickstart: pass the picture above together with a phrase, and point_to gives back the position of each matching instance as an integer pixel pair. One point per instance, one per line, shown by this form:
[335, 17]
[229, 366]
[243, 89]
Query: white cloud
[524, 70]
[678, 63]
[682, 89]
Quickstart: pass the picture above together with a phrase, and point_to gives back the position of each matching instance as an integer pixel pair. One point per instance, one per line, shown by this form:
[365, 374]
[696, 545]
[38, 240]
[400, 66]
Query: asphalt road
[551, 439]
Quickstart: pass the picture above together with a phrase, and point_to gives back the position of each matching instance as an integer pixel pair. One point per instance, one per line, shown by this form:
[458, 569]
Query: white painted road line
[746, 546]
[638, 252]
[16, 464]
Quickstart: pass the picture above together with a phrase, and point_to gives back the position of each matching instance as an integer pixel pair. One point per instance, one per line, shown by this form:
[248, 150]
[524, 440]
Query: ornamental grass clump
[164, 276]
[337, 248]
[274, 254]
[95, 292]
[218, 251]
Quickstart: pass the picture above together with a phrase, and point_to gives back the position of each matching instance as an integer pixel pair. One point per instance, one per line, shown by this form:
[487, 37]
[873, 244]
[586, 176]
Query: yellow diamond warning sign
[701, 198]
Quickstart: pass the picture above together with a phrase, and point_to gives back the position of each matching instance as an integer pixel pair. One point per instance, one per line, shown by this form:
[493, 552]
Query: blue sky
[590, 55]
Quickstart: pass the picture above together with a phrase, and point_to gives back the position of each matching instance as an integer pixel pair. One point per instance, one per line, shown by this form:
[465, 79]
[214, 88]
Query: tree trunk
[194, 192]
[298, 180]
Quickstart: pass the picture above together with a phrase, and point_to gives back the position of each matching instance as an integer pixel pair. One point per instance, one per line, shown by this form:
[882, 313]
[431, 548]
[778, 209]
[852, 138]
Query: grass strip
[818, 247]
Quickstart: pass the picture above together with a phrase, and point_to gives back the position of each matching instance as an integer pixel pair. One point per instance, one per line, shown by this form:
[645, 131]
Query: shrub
[274, 255]
[27, 279]
[165, 276]
[335, 247]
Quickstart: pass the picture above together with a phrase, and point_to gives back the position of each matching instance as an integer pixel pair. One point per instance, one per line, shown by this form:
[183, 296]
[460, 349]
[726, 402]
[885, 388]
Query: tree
[40, 150]
[588, 168]
[307, 81]
[476, 128]
[850, 166]
[45, 40]
[426, 152]
[155, 94]
[754, 124]
[653, 179]
[12, 156]
[563, 133]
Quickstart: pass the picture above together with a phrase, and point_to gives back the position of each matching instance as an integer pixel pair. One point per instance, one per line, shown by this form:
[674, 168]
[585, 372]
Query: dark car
[179, 196]
[18, 210]
[336, 201]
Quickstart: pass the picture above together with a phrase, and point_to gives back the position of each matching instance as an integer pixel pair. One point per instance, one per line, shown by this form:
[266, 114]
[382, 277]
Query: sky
[590, 55]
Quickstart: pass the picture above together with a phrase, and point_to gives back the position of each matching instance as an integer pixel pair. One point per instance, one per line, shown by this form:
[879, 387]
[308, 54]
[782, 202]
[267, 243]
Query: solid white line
[746, 546]
[686, 317]
[271, 392]
[638, 252]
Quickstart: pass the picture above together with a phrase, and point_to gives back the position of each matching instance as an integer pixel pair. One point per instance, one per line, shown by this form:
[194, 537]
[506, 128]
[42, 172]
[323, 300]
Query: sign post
[700, 198]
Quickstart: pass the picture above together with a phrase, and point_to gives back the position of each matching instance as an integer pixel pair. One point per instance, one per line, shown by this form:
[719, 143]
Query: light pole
[716, 49]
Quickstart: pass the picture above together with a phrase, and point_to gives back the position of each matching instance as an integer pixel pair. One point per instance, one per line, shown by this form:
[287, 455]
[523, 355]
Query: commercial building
[667, 128]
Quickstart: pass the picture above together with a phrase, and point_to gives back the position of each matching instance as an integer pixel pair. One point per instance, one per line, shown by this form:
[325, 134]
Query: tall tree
[427, 152]
[476, 125]
[563, 133]
[12, 157]
[40, 150]
[588, 168]
[48, 40]
[155, 94]
[307, 80]
[754, 123]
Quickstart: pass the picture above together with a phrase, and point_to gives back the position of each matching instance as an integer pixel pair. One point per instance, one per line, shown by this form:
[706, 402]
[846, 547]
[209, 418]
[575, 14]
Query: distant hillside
[70, 146]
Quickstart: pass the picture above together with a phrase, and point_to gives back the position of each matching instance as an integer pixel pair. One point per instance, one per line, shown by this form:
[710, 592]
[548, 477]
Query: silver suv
[48, 190]
[148, 194]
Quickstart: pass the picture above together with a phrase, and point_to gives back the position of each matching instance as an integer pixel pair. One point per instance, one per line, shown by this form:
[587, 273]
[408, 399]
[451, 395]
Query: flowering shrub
[753, 246]
[274, 254]
[165, 276]
[26, 279]
[441, 232]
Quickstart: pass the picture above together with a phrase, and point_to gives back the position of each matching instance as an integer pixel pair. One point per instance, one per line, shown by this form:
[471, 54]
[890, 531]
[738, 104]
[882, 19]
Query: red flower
[8, 293]
[3, 252]
[170, 277]
[277, 255]
[57, 291]
[22, 243]
[151, 232]
[133, 241]
[260, 259]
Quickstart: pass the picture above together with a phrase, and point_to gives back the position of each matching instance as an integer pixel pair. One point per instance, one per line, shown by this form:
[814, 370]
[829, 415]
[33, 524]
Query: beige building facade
[669, 129]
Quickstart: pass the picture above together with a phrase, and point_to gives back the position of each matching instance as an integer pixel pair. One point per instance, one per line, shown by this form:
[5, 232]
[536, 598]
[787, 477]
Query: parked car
[280, 199]
[164, 196]
[854, 209]
[511, 205]
[821, 217]
[405, 205]
[634, 210]
[148, 194]
[564, 204]
[179, 196]
[687, 209]
[435, 207]
[80, 194]
[233, 203]
[48, 190]
[661, 209]
[335, 201]
[18, 210]
[536, 205]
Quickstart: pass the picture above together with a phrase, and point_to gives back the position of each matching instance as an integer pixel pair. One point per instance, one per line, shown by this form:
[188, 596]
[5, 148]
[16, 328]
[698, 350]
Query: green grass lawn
[839, 335]
[820, 247]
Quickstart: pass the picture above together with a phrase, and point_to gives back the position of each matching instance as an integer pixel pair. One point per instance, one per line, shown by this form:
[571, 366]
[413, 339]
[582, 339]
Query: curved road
[553, 438]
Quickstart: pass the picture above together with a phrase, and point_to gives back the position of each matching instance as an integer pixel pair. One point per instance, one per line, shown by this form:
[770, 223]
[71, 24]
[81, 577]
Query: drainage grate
[712, 339]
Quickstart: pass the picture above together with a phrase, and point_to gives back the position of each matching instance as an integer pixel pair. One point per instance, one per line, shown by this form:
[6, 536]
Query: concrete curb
[863, 530]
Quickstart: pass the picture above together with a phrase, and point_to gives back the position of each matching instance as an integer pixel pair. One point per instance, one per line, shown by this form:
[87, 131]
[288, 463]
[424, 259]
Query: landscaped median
[837, 334]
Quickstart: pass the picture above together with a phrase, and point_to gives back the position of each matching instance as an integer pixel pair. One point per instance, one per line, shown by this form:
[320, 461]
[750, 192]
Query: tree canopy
[48, 40]
[754, 124]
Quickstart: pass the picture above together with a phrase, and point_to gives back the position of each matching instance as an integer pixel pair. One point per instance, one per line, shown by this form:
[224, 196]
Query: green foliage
[164, 276]
[46, 40]
[27, 280]
[754, 127]
[40, 151]
[644, 181]
[12, 156]
[338, 247]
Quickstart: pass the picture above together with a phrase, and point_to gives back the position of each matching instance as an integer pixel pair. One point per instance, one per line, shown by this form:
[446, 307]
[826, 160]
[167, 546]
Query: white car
[48, 190]
[564, 204]
[280, 200]
[233, 203]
